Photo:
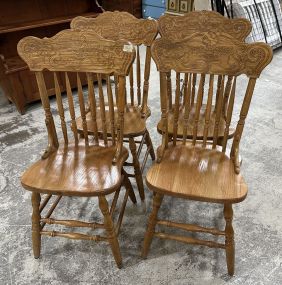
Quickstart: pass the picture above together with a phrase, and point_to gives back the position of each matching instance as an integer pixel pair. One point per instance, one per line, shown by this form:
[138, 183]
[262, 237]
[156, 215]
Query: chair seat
[134, 124]
[201, 124]
[71, 170]
[196, 173]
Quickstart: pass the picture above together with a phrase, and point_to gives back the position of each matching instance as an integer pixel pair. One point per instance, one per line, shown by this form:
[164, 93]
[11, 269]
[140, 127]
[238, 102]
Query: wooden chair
[202, 170]
[74, 166]
[175, 28]
[122, 25]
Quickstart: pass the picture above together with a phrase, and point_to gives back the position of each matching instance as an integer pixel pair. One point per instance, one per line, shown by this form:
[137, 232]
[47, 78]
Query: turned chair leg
[150, 145]
[157, 200]
[128, 186]
[229, 239]
[109, 226]
[36, 236]
[137, 169]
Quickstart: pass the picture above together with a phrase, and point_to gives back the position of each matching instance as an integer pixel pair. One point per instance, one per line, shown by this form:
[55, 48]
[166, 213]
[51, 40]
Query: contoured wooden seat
[200, 169]
[72, 166]
[122, 25]
[176, 28]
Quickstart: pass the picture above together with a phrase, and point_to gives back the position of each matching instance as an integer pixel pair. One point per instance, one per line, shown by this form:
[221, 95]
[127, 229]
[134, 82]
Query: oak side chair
[201, 170]
[122, 25]
[86, 167]
[175, 28]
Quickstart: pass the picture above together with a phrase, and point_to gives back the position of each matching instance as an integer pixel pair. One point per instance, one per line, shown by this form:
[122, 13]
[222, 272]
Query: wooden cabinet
[132, 6]
[40, 18]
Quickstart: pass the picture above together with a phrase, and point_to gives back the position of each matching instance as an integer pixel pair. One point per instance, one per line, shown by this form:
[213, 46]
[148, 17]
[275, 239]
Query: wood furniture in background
[33, 18]
[198, 170]
[117, 26]
[175, 28]
[84, 167]
[133, 7]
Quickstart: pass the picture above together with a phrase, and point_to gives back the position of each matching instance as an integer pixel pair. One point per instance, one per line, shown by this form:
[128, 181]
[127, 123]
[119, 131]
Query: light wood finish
[116, 26]
[199, 169]
[79, 166]
[176, 28]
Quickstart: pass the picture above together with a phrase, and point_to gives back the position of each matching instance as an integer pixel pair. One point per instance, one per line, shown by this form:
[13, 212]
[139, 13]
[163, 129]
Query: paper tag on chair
[128, 48]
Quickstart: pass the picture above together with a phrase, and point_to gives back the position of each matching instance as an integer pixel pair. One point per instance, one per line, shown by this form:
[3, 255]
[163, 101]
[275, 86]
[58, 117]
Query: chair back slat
[71, 108]
[131, 80]
[200, 96]
[208, 110]
[176, 106]
[138, 76]
[147, 71]
[82, 109]
[193, 89]
[184, 87]
[49, 120]
[187, 104]
[75, 57]
[169, 90]
[223, 59]
[102, 109]
[111, 109]
[116, 88]
[229, 112]
[92, 105]
[60, 107]
[226, 95]
[218, 110]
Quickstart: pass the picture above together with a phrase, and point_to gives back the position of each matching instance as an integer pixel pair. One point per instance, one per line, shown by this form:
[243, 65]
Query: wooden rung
[131, 175]
[121, 213]
[72, 223]
[145, 159]
[73, 235]
[44, 203]
[191, 228]
[128, 164]
[114, 203]
[189, 240]
[51, 210]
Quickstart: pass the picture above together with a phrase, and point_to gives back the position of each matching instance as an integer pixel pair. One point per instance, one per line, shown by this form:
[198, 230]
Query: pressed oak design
[116, 26]
[176, 28]
[91, 166]
[202, 170]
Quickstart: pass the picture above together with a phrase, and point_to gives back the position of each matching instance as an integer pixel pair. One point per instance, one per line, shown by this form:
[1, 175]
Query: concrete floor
[257, 221]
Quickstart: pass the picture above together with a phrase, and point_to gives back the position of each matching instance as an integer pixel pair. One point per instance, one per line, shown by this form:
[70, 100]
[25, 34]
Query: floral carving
[215, 53]
[119, 25]
[75, 50]
[177, 28]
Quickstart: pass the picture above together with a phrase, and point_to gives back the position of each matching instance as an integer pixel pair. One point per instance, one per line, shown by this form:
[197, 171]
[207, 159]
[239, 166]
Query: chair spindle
[187, 105]
[219, 104]
[198, 107]
[138, 76]
[111, 109]
[82, 109]
[176, 108]
[71, 108]
[60, 107]
[102, 109]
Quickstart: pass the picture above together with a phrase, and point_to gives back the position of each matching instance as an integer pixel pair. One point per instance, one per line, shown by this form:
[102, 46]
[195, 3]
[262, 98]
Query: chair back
[124, 26]
[85, 55]
[210, 56]
[177, 28]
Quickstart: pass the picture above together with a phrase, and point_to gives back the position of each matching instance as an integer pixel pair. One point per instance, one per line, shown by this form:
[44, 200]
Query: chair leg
[150, 145]
[157, 200]
[36, 236]
[128, 186]
[137, 169]
[109, 226]
[229, 239]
